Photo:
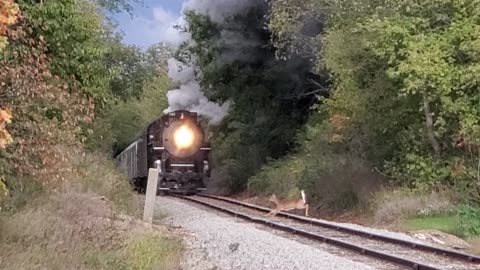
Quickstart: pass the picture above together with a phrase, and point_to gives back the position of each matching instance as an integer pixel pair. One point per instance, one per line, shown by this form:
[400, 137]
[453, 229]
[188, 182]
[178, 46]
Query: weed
[94, 172]
[106, 260]
[392, 206]
[443, 222]
[469, 221]
[80, 227]
[157, 252]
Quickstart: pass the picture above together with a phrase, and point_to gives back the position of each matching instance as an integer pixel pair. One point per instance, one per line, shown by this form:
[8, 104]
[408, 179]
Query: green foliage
[400, 75]
[126, 120]
[64, 63]
[470, 221]
[278, 177]
[132, 70]
[78, 47]
[429, 171]
[33, 94]
[153, 253]
[147, 252]
[105, 260]
[3, 190]
[125, 123]
[403, 93]
[270, 99]
[428, 60]
[8, 16]
[296, 26]
[116, 5]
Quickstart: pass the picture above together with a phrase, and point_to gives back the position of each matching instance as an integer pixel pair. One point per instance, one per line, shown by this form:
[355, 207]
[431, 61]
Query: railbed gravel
[216, 241]
[428, 258]
[379, 231]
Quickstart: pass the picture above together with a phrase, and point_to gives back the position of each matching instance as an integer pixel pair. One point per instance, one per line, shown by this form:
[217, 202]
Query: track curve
[411, 255]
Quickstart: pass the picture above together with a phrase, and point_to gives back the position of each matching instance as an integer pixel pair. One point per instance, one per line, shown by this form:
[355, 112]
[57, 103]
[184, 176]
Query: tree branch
[430, 127]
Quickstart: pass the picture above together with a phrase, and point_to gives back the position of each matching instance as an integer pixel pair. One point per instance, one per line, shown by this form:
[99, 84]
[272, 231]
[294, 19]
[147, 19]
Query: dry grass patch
[81, 231]
[98, 174]
[89, 223]
[391, 206]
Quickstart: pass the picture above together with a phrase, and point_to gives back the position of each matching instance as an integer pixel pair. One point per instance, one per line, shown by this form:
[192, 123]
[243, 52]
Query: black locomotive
[175, 144]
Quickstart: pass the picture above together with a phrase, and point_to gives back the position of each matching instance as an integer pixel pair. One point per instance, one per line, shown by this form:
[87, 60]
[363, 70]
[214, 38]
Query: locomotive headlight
[183, 137]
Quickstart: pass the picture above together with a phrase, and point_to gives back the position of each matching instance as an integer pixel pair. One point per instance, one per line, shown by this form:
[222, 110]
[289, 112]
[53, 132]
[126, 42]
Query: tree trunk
[429, 126]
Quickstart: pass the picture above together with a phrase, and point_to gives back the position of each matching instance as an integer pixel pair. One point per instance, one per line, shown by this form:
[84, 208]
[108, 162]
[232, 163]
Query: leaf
[5, 116]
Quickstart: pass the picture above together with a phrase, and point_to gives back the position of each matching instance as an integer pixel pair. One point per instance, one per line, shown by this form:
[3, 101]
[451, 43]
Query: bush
[280, 177]
[123, 122]
[469, 221]
[336, 181]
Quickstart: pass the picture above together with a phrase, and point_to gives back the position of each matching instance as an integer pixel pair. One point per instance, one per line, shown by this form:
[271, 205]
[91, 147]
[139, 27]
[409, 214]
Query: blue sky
[151, 22]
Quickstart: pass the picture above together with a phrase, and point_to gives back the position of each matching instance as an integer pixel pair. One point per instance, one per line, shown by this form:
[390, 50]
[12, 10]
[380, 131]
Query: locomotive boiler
[175, 144]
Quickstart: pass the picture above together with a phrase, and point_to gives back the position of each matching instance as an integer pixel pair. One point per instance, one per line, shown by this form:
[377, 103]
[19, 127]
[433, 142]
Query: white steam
[189, 96]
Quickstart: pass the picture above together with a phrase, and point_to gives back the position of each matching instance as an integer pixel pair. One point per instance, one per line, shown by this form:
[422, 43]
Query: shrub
[336, 181]
[280, 177]
[469, 221]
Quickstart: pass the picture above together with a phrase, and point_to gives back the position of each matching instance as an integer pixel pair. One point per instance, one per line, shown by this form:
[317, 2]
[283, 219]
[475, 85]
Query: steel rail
[447, 253]
[364, 251]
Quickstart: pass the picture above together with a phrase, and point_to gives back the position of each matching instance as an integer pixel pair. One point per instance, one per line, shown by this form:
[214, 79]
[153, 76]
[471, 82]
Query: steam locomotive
[175, 144]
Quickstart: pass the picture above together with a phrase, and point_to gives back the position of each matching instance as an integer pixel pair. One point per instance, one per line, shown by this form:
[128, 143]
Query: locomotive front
[179, 151]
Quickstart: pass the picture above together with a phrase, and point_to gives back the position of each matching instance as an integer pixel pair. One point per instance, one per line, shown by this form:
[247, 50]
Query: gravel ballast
[217, 242]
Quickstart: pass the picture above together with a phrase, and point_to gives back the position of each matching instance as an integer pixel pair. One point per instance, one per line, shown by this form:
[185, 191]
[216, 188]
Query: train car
[175, 144]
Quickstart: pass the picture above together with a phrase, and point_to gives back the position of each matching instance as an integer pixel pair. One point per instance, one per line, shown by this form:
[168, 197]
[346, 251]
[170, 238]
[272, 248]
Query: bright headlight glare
[183, 137]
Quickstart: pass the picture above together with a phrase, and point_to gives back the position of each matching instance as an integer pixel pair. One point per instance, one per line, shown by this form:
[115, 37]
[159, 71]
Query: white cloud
[159, 27]
[163, 16]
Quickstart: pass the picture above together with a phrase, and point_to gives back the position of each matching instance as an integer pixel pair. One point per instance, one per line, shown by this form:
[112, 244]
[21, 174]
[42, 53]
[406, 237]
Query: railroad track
[407, 254]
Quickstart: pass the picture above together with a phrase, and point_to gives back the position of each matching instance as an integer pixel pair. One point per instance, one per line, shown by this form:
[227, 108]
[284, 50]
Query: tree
[235, 62]
[75, 34]
[415, 68]
[8, 16]
[403, 95]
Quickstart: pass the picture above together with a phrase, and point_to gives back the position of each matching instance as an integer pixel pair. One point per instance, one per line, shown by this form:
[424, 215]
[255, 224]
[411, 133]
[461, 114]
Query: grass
[396, 205]
[445, 223]
[80, 227]
[141, 253]
[158, 252]
[105, 260]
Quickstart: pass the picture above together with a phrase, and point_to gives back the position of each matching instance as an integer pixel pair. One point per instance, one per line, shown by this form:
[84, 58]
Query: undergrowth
[86, 223]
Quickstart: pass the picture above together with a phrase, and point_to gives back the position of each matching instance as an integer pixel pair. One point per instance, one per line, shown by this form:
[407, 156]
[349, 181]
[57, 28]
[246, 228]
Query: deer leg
[275, 212]
[271, 213]
[306, 210]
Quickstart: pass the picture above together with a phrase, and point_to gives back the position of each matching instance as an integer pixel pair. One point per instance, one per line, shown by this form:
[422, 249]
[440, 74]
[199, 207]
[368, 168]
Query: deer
[287, 205]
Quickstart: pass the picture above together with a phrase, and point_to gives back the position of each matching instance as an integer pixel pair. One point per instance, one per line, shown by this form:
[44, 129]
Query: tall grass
[84, 224]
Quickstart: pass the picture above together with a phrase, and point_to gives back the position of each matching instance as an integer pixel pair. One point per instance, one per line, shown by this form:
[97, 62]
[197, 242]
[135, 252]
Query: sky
[151, 22]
